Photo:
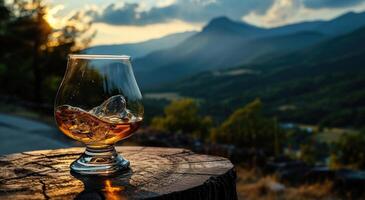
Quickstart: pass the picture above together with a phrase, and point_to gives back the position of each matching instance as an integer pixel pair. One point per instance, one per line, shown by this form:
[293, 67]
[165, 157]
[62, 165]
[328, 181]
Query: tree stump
[155, 173]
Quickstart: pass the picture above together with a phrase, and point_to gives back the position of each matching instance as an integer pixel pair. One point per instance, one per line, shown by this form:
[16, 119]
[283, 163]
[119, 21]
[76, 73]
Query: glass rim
[99, 56]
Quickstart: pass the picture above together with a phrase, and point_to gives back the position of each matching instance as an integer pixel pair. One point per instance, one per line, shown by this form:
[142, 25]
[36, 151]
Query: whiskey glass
[98, 104]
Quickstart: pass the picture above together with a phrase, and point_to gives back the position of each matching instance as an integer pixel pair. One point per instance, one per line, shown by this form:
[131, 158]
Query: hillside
[319, 84]
[195, 53]
[224, 43]
[142, 48]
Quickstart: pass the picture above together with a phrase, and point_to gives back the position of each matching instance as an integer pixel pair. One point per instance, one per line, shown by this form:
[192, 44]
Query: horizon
[243, 22]
[132, 21]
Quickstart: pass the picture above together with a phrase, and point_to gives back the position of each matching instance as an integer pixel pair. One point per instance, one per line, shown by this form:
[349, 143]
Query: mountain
[323, 83]
[225, 43]
[222, 43]
[342, 24]
[224, 25]
[199, 52]
[297, 27]
[270, 46]
[143, 48]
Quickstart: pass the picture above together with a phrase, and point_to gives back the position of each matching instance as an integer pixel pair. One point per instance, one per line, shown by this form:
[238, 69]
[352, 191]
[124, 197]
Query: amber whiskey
[93, 130]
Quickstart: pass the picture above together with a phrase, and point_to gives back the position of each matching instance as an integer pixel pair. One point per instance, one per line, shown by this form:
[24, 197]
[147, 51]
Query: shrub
[182, 116]
[247, 127]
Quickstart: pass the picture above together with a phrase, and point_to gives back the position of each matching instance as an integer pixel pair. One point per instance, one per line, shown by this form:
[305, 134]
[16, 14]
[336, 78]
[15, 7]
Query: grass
[331, 135]
[253, 185]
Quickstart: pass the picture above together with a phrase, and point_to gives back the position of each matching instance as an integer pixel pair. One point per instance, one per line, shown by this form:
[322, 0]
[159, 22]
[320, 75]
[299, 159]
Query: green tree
[350, 150]
[334, 162]
[182, 116]
[247, 127]
[308, 153]
[35, 56]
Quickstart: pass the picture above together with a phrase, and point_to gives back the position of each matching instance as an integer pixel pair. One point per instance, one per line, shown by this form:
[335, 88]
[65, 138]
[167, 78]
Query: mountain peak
[226, 25]
[220, 20]
[343, 23]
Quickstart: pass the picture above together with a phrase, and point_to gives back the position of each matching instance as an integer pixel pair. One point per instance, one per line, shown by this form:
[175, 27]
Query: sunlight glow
[113, 192]
[110, 188]
[54, 22]
[109, 34]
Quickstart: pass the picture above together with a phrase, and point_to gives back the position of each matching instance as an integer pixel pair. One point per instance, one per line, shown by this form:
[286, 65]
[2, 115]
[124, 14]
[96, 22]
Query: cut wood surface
[156, 173]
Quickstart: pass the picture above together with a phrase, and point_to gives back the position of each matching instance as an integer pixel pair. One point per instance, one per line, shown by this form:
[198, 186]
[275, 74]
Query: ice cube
[114, 107]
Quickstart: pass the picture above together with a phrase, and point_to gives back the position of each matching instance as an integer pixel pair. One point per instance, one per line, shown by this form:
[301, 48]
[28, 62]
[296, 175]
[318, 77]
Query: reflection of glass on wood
[92, 130]
[113, 192]
[112, 189]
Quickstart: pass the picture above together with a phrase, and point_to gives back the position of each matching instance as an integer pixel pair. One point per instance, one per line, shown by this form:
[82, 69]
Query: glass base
[96, 161]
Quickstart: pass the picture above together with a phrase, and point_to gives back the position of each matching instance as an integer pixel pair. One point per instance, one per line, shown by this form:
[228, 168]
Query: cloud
[285, 12]
[331, 3]
[281, 12]
[164, 3]
[186, 10]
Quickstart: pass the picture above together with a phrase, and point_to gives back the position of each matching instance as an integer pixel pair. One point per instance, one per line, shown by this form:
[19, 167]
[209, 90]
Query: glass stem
[102, 161]
[93, 151]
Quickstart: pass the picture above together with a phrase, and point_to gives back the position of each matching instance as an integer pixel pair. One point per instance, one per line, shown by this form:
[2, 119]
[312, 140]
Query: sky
[130, 21]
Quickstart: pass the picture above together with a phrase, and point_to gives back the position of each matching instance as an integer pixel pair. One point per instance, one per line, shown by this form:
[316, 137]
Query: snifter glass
[98, 104]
